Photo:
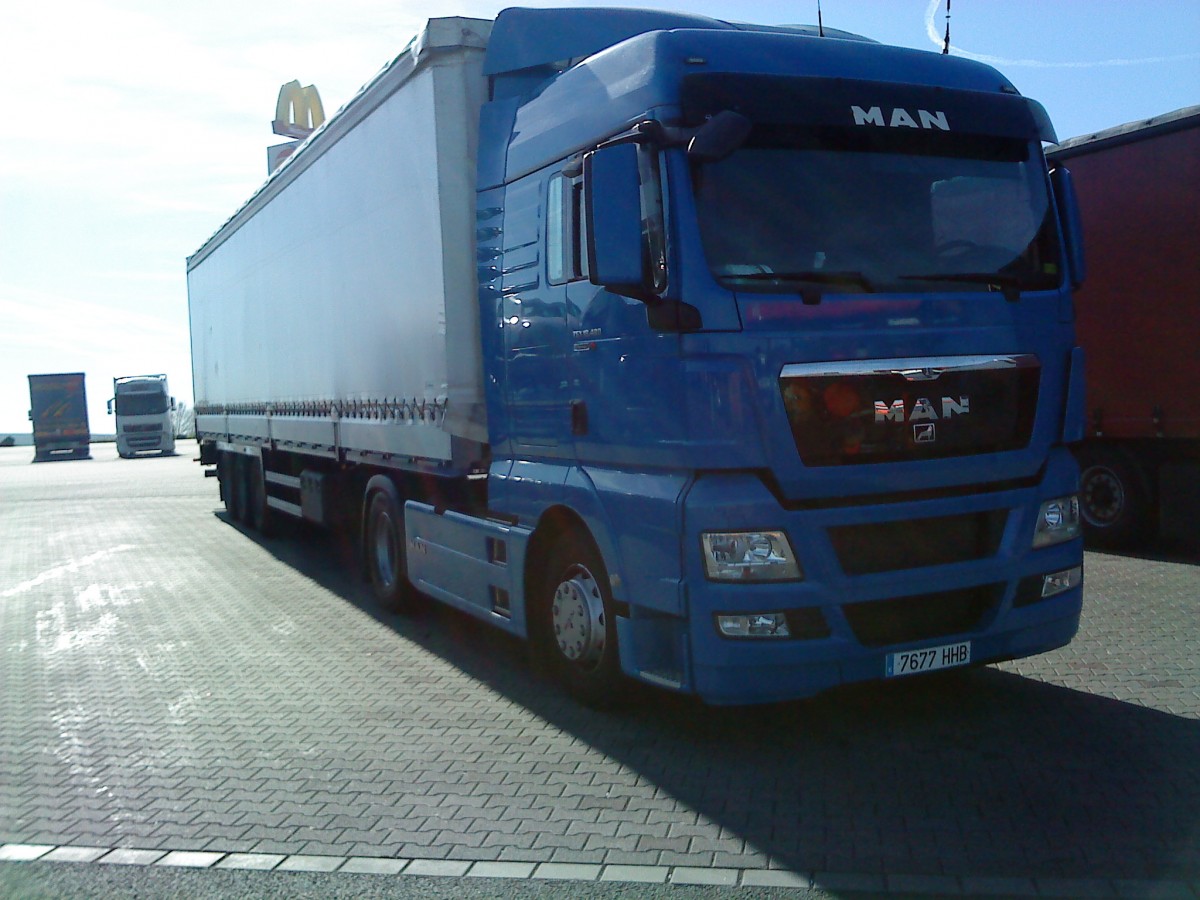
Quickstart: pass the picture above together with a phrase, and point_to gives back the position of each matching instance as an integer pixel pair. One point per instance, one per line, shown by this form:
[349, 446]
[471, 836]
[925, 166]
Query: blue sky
[133, 128]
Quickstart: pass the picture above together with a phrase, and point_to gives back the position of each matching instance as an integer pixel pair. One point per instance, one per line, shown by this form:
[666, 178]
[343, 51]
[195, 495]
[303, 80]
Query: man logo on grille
[922, 409]
[925, 433]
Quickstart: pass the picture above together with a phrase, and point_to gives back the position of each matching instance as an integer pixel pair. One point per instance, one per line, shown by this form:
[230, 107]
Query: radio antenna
[820, 24]
[946, 45]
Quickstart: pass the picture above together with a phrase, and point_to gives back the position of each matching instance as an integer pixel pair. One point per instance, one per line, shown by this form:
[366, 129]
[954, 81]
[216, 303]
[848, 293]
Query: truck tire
[228, 472]
[261, 517]
[241, 483]
[573, 622]
[384, 548]
[1114, 499]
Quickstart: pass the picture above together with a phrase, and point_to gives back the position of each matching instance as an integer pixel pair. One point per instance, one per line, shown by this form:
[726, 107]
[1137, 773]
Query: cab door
[623, 382]
[533, 323]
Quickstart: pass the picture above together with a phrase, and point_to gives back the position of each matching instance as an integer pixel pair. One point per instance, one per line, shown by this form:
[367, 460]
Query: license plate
[912, 662]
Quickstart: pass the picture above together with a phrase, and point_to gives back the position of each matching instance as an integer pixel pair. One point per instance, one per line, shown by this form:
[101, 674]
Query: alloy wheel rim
[577, 617]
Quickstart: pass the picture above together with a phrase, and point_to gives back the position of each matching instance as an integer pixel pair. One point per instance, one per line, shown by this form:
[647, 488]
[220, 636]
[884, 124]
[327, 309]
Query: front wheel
[574, 623]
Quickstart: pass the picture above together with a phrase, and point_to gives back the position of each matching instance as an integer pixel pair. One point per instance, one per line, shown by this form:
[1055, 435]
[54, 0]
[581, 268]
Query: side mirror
[172, 403]
[614, 210]
[110, 407]
[1072, 223]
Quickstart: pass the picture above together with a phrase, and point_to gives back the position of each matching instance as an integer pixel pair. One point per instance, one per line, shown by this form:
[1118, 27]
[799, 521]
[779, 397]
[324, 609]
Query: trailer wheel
[241, 483]
[574, 625]
[384, 550]
[1113, 498]
[261, 516]
[229, 473]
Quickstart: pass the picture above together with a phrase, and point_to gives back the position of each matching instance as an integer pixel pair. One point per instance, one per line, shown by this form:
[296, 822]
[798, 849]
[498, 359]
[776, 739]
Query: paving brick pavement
[171, 686]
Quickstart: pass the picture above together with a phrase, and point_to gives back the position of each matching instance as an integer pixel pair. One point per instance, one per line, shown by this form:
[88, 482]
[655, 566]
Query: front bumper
[861, 600]
[144, 442]
[766, 677]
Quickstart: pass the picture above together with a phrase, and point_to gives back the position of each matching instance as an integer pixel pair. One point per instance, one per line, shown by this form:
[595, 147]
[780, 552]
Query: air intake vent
[880, 623]
[913, 543]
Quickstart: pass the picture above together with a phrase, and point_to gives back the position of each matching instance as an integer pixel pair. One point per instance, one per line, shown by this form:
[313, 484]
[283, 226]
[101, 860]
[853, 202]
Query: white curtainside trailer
[337, 311]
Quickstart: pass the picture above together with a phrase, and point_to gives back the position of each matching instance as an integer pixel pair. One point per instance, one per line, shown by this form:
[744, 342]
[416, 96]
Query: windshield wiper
[1009, 285]
[815, 276]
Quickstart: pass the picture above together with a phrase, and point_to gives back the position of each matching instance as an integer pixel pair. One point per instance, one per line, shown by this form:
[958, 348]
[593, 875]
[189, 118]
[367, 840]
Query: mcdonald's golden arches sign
[298, 112]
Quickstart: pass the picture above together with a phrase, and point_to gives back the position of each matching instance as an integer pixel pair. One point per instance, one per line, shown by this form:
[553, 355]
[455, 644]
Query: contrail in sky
[932, 30]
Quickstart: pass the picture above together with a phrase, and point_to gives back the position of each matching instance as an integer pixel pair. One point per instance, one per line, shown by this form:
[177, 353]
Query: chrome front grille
[889, 410]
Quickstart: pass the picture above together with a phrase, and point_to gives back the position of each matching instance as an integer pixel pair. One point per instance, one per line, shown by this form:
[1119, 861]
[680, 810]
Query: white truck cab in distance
[143, 409]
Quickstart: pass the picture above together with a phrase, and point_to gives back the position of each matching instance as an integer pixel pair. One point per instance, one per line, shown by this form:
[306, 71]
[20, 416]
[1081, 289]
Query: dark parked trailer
[58, 411]
[1139, 324]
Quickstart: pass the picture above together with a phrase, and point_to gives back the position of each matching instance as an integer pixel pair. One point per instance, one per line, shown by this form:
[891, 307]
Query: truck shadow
[1176, 551]
[983, 772]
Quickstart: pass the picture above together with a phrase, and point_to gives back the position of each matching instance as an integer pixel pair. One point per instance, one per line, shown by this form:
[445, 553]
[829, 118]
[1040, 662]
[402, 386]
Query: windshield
[815, 211]
[141, 404]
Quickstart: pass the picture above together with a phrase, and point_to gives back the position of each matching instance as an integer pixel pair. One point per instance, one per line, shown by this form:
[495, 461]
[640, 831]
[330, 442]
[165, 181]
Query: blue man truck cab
[777, 365]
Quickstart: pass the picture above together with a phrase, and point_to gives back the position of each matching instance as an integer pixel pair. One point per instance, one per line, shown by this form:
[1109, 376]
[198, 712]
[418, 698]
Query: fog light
[1057, 521]
[1057, 582]
[755, 625]
[749, 556]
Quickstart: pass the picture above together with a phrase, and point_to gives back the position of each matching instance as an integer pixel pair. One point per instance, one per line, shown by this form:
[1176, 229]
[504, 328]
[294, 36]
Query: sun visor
[824, 102]
[525, 38]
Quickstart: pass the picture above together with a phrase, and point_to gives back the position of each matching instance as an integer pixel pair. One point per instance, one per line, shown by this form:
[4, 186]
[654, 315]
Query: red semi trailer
[1138, 319]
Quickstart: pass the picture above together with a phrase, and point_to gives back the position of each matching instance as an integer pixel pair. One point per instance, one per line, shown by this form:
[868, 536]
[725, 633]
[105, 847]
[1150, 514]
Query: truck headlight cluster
[1057, 521]
[749, 556]
[755, 625]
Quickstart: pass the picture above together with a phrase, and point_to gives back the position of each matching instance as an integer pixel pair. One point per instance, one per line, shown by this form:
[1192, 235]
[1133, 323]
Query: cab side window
[566, 225]
[566, 237]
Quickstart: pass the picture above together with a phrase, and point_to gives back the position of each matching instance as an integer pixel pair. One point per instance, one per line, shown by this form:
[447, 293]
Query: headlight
[749, 556]
[1057, 521]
